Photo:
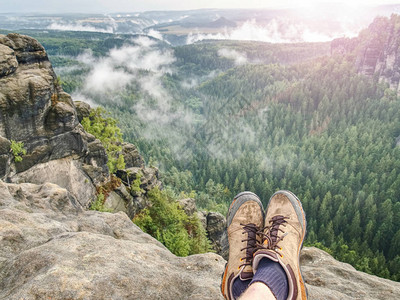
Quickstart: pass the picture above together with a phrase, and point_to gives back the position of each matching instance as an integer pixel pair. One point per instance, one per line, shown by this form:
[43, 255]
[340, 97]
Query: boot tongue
[246, 275]
[266, 253]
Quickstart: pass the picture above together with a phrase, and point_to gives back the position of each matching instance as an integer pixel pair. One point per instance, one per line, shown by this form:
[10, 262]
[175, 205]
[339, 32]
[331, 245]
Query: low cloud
[79, 27]
[155, 34]
[138, 70]
[121, 67]
[276, 31]
[239, 57]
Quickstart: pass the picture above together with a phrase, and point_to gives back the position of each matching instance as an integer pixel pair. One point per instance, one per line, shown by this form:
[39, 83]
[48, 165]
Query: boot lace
[270, 236]
[252, 232]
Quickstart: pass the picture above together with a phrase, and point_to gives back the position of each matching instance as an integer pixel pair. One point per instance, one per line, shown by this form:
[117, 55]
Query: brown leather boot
[285, 228]
[245, 218]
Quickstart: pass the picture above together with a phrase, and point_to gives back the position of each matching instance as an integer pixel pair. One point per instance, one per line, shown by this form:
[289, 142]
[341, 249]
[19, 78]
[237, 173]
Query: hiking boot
[245, 218]
[283, 235]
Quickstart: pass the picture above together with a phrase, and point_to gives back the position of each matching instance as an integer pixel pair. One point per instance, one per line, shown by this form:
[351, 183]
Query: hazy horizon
[126, 6]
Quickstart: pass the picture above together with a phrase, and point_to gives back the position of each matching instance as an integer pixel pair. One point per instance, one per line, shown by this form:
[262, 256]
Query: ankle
[257, 291]
[271, 274]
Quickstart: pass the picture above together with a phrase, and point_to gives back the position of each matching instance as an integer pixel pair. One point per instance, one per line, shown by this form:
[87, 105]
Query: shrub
[99, 203]
[106, 130]
[18, 150]
[165, 220]
[135, 185]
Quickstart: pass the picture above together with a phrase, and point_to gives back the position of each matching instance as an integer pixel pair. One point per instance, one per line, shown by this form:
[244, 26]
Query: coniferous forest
[220, 117]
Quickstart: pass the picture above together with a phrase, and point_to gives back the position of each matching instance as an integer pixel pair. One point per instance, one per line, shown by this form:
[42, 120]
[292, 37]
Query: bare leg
[257, 291]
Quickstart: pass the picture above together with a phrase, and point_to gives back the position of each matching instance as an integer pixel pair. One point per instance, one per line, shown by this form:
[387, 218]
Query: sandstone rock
[115, 203]
[61, 118]
[31, 102]
[36, 111]
[8, 61]
[137, 201]
[5, 156]
[43, 149]
[51, 248]
[376, 51]
[96, 161]
[202, 215]
[27, 49]
[188, 205]
[66, 173]
[329, 279]
[82, 109]
[121, 200]
[216, 231]
[149, 177]
[131, 156]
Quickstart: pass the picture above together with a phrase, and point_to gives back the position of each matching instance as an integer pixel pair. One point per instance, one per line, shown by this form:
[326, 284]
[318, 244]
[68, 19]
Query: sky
[107, 6]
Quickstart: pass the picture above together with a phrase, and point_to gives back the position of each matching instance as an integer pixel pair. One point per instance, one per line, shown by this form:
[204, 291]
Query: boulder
[82, 109]
[216, 231]
[149, 177]
[132, 157]
[66, 173]
[188, 205]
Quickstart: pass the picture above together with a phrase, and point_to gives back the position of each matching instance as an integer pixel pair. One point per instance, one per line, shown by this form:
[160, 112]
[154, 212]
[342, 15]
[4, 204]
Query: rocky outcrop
[216, 232]
[82, 109]
[123, 198]
[51, 248]
[131, 156]
[376, 50]
[214, 223]
[189, 206]
[34, 110]
[130, 197]
[327, 278]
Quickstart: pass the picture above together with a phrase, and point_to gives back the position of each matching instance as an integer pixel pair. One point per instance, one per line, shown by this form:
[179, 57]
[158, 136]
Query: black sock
[239, 286]
[272, 274]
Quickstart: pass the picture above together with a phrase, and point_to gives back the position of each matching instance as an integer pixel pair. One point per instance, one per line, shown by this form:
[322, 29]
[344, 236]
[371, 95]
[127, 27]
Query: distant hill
[220, 23]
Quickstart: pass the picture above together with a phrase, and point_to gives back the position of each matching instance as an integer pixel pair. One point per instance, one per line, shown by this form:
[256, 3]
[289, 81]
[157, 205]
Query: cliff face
[376, 50]
[34, 110]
